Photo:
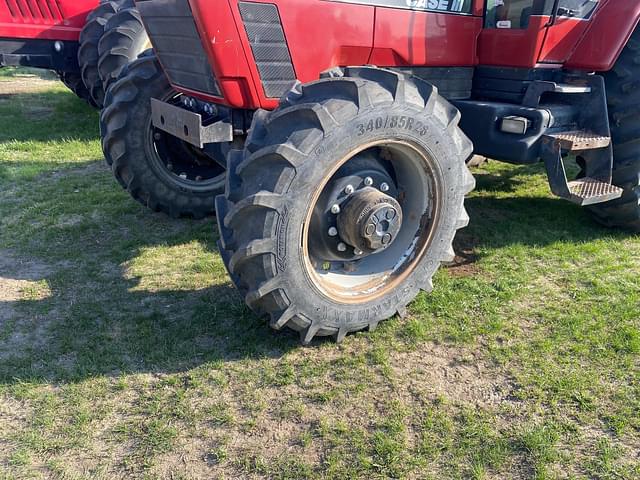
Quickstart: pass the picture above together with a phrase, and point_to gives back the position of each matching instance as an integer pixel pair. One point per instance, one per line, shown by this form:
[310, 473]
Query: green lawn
[125, 351]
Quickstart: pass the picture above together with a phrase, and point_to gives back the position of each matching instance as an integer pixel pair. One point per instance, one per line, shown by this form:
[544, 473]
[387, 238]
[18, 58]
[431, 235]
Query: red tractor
[348, 124]
[85, 41]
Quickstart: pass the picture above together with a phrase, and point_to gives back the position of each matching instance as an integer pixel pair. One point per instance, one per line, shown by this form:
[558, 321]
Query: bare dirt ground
[26, 83]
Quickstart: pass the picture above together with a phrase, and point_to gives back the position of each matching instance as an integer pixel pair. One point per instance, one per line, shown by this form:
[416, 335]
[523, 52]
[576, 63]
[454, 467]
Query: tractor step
[579, 140]
[588, 191]
[597, 157]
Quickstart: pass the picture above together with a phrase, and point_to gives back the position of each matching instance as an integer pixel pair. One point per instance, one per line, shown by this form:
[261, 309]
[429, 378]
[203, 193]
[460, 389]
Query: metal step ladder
[594, 185]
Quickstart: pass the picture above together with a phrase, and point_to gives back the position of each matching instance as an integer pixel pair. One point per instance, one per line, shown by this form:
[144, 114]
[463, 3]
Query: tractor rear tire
[142, 157]
[73, 81]
[90, 36]
[381, 123]
[124, 39]
[624, 109]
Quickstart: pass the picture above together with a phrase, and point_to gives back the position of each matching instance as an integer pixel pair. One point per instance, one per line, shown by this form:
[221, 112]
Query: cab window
[514, 14]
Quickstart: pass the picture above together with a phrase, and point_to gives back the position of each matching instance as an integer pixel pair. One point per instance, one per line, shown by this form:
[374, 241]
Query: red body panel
[606, 36]
[561, 39]
[405, 38]
[44, 19]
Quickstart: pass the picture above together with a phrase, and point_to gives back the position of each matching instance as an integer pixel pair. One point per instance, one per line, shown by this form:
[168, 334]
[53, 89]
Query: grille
[269, 47]
[178, 45]
[35, 11]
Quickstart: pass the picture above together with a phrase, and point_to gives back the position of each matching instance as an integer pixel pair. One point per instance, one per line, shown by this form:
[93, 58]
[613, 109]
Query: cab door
[514, 32]
[529, 33]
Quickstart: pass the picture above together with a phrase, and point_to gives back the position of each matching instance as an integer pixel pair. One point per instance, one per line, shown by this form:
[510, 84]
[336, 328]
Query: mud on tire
[272, 184]
[136, 153]
[624, 110]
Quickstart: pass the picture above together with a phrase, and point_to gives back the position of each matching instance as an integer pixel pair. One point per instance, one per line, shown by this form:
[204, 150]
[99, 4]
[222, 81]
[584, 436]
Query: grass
[125, 352]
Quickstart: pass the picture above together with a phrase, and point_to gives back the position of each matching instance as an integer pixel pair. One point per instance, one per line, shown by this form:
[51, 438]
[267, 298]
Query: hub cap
[370, 220]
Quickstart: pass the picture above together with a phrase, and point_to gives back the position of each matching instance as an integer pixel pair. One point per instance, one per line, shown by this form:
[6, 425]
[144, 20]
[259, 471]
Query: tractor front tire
[160, 171]
[624, 109]
[124, 39]
[384, 145]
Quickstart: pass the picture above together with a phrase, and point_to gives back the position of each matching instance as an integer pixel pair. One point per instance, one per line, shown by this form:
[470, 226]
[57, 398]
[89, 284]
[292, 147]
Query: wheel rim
[353, 275]
[181, 164]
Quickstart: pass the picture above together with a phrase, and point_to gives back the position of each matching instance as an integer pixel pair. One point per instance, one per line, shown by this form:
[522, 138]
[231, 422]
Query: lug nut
[342, 247]
[349, 189]
[335, 209]
[333, 231]
[368, 181]
[384, 187]
[358, 252]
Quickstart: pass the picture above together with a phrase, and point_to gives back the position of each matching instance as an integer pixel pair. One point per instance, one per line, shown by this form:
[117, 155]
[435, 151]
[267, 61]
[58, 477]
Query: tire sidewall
[371, 126]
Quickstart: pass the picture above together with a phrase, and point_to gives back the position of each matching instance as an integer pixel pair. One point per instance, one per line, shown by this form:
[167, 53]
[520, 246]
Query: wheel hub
[357, 194]
[370, 220]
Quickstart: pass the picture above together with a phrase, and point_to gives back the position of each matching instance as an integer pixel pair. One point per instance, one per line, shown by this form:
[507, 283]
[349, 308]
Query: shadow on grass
[50, 116]
[123, 327]
[105, 322]
[16, 170]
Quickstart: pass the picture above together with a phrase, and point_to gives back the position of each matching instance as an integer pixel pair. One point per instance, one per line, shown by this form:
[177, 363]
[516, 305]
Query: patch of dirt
[18, 276]
[25, 84]
[464, 263]
[21, 280]
[462, 378]
[14, 415]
